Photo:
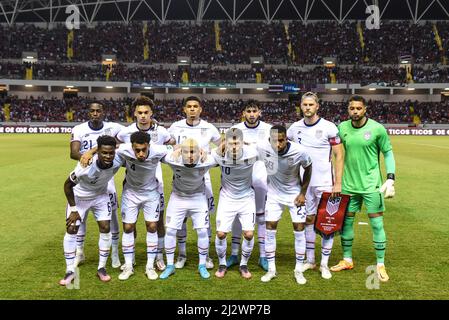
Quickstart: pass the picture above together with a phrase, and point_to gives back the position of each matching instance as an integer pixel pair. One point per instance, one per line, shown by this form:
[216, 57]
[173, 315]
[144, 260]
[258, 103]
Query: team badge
[153, 136]
[318, 134]
[367, 135]
[108, 132]
[203, 132]
[332, 205]
[290, 161]
[331, 213]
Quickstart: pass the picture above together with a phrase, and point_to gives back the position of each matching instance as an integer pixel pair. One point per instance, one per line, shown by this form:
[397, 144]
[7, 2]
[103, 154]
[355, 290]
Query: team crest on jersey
[318, 134]
[290, 161]
[332, 205]
[367, 135]
[108, 132]
[202, 171]
[154, 161]
[153, 136]
[203, 132]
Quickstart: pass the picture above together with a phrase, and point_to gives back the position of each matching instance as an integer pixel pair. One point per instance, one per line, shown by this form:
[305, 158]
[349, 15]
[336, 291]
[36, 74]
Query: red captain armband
[334, 141]
[331, 214]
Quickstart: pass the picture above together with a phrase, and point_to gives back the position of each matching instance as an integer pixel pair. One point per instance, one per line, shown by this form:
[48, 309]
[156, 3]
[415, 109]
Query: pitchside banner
[35, 129]
[417, 132]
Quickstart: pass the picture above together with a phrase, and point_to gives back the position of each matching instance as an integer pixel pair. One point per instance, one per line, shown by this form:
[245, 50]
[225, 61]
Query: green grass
[32, 208]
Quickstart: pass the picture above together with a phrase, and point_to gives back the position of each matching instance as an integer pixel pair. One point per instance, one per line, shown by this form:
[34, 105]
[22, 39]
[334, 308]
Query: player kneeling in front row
[188, 198]
[237, 198]
[283, 160]
[140, 191]
[86, 189]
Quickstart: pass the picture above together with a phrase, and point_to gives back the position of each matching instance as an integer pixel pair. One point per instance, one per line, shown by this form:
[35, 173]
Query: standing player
[86, 189]
[364, 139]
[320, 139]
[254, 130]
[237, 199]
[188, 198]
[283, 160]
[143, 111]
[203, 133]
[140, 191]
[84, 137]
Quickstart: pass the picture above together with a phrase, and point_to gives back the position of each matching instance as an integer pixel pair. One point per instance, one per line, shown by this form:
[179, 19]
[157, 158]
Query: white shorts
[209, 192]
[259, 183]
[112, 192]
[230, 209]
[132, 202]
[160, 188]
[313, 197]
[179, 208]
[275, 207]
[100, 206]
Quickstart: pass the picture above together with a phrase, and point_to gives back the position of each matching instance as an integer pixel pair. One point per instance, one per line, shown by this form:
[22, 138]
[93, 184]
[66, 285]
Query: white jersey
[93, 181]
[141, 176]
[158, 134]
[236, 175]
[318, 140]
[88, 136]
[189, 180]
[251, 135]
[204, 133]
[283, 170]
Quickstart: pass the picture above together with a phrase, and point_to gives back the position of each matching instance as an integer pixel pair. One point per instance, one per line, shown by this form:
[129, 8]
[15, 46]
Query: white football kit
[91, 190]
[237, 198]
[160, 136]
[140, 189]
[283, 180]
[317, 139]
[88, 139]
[252, 136]
[204, 133]
[188, 197]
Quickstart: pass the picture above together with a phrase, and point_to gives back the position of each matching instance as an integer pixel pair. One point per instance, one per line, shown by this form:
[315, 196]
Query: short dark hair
[278, 129]
[142, 101]
[191, 98]
[235, 134]
[90, 103]
[251, 104]
[140, 137]
[106, 141]
[357, 99]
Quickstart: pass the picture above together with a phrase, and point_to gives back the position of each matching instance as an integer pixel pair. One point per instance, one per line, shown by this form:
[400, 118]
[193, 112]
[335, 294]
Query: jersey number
[87, 143]
[226, 170]
[133, 167]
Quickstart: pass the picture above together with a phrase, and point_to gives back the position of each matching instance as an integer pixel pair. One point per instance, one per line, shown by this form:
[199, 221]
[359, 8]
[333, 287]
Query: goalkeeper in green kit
[364, 139]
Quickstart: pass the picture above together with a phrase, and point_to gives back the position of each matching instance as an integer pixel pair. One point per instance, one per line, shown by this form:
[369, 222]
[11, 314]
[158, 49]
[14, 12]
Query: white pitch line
[429, 145]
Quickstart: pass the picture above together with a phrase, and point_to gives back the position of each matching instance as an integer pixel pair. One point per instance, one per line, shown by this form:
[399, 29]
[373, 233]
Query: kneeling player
[283, 160]
[188, 198]
[86, 189]
[237, 198]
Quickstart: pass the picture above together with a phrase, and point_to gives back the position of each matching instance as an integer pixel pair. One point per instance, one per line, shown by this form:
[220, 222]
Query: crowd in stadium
[219, 111]
[310, 43]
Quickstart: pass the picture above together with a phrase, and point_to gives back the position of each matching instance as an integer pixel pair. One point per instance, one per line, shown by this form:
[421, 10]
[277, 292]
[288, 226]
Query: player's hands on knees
[336, 190]
[86, 159]
[300, 200]
[388, 188]
[73, 217]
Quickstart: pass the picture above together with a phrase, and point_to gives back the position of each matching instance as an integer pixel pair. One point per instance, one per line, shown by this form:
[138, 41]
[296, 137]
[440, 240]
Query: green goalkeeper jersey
[362, 156]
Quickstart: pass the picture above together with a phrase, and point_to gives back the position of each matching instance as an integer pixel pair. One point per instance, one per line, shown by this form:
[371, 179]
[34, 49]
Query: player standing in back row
[321, 140]
[364, 139]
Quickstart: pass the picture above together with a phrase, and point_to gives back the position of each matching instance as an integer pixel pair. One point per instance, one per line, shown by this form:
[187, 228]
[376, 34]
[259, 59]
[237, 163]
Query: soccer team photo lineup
[224, 150]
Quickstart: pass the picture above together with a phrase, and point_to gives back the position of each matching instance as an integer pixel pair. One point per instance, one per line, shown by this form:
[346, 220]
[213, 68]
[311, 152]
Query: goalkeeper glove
[388, 188]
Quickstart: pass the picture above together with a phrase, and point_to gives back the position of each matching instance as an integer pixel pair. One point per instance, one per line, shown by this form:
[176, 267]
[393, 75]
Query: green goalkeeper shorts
[374, 202]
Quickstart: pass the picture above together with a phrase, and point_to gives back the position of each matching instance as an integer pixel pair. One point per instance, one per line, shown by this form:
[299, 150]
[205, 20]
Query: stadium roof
[49, 11]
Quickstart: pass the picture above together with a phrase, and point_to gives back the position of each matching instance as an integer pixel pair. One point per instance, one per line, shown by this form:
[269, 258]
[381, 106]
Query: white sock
[170, 245]
[310, 243]
[209, 236]
[326, 249]
[69, 244]
[80, 236]
[221, 246]
[270, 248]
[151, 248]
[115, 231]
[182, 238]
[247, 249]
[236, 237]
[128, 247]
[160, 248]
[261, 230]
[348, 260]
[300, 249]
[203, 245]
[104, 245]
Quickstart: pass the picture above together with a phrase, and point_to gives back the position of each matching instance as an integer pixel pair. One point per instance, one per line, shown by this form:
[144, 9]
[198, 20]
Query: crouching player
[87, 189]
[237, 198]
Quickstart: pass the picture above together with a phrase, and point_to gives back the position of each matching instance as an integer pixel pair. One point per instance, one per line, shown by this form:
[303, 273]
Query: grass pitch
[33, 169]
